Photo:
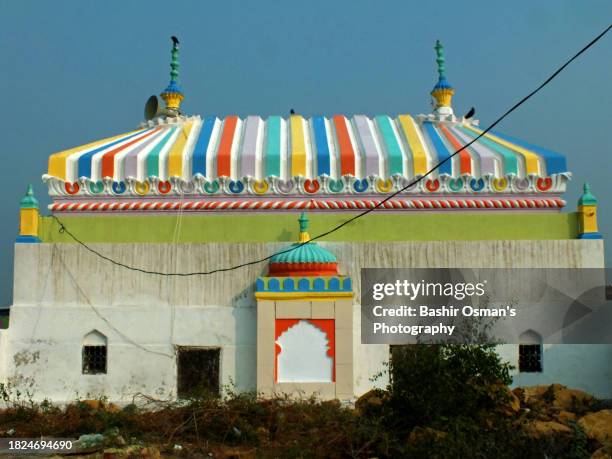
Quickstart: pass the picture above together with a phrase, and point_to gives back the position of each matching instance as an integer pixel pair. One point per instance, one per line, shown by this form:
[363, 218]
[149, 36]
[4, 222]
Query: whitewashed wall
[62, 292]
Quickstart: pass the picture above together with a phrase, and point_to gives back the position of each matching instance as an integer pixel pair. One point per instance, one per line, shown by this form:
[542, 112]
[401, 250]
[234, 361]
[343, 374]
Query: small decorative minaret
[587, 215]
[442, 91]
[28, 217]
[172, 95]
[303, 221]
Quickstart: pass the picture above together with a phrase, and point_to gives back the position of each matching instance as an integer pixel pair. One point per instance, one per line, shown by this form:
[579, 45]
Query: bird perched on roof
[175, 40]
[470, 114]
[292, 112]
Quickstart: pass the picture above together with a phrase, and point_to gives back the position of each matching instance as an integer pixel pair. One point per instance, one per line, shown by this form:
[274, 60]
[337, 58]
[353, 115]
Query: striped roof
[260, 151]
[360, 146]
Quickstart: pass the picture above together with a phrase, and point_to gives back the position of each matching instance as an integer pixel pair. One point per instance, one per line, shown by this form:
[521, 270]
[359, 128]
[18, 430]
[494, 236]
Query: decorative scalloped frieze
[299, 186]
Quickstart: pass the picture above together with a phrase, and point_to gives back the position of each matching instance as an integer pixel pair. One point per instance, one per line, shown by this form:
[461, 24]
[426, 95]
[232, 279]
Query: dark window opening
[530, 358]
[198, 372]
[94, 360]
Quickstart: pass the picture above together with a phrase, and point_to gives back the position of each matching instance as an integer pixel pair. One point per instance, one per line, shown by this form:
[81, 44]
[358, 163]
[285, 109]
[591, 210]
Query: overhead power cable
[63, 229]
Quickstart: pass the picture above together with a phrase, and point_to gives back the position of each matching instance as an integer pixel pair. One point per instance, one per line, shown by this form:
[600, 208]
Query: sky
[78, 71]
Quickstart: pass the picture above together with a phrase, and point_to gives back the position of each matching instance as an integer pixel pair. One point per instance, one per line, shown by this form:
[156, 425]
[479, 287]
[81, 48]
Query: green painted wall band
[265, 227]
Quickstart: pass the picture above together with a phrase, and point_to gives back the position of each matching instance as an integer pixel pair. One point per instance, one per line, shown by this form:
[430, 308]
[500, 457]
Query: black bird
[470, 114]
[174, 40]
[292, 112]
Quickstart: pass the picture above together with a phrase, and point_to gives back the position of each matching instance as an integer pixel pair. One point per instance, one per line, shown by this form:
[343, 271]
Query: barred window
[94, 355]
[94, 360]
[530, 358]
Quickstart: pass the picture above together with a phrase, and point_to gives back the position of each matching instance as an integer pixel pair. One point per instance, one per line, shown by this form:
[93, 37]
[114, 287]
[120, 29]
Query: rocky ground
[557, 410]
[571, 419]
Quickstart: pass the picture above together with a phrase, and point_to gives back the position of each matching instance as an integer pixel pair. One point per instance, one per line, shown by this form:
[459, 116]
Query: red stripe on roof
[347, 153]
[465, 158]
[224, 159]
[108, 160]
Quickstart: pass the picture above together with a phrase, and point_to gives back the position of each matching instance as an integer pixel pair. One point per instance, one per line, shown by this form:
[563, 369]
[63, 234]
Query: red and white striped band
[312, 204]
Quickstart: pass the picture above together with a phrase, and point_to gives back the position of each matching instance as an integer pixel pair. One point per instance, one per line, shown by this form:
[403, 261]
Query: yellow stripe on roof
[419, 156]
[532, 160]
[298, 146]
[57, 161]
[175, 157]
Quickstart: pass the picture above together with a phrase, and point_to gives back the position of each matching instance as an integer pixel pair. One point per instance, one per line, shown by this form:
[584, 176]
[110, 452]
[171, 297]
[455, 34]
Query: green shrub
[430, 384]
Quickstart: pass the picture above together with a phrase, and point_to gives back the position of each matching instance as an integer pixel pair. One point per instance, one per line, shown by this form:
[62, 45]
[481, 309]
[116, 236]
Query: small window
[530, 352]
[530, 358]
[198, 371]
[94, 360]
[94, 353]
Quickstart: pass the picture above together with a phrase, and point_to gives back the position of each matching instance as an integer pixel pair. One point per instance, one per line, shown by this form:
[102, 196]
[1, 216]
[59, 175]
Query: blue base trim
[304, 284]
[27, 240]
[590, 236]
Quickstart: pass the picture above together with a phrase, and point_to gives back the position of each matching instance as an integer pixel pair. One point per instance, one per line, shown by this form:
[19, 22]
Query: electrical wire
[63, 229]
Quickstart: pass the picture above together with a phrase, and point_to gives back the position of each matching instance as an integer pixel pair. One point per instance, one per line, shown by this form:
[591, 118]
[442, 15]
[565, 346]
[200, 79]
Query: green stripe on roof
[396, 163]
[509, 157]
[273, 146]
[153, 156]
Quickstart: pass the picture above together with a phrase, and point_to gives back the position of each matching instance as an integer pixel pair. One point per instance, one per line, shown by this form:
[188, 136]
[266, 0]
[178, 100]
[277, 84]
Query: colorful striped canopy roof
[256, 149]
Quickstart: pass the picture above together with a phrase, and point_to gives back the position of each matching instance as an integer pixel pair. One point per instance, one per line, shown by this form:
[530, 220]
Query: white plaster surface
[581, 366]
[62, 293]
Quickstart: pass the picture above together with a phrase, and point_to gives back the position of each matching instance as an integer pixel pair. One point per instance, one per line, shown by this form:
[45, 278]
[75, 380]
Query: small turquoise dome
[587, 198]
[304, 258]
[29, 201]
[307, 253]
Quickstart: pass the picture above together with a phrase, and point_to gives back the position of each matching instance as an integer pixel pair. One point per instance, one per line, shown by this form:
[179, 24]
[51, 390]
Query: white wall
[45, 348]
[62, 292]
[580, 366]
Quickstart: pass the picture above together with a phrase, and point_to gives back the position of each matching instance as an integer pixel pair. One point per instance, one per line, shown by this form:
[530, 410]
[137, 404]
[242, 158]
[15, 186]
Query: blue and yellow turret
[587, 215]
[28, 217]
[442, 92]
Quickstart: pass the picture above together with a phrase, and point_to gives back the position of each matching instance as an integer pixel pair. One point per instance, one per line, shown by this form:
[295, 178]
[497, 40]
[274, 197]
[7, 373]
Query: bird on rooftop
[470, 113]
[292, 112]
[174, 40]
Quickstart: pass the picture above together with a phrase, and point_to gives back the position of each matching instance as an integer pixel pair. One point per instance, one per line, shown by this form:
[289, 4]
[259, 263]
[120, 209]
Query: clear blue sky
[78, 71]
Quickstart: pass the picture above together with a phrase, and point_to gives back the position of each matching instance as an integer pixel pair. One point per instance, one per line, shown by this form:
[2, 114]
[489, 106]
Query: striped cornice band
[311, 204]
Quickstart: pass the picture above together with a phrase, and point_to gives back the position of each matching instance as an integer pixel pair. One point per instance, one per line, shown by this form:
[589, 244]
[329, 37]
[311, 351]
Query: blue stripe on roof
[555, 162]
[318, 125]
[84, 161]
[443, 154]
[199, 152]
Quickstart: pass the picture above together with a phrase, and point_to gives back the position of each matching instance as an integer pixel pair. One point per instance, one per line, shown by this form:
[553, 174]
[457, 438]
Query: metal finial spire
[440, 59]
[174, 62]
[442, 91]
[173, 95]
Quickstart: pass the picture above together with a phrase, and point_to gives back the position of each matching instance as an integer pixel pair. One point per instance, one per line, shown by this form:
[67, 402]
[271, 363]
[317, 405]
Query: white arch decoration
[303, 356]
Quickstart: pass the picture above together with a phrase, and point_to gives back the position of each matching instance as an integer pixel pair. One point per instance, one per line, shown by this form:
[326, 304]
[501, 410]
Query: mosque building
[105, 303]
